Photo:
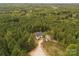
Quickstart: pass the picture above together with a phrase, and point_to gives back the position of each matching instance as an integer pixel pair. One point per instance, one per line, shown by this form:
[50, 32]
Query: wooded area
[19, 22]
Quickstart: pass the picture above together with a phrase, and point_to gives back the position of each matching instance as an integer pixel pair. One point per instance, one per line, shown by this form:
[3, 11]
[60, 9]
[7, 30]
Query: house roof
[38, 33]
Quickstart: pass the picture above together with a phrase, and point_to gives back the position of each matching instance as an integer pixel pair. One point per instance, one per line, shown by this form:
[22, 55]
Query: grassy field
[54, 49]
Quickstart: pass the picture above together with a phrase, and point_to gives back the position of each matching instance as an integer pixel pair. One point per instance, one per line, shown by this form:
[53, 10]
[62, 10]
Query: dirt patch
[38, 51]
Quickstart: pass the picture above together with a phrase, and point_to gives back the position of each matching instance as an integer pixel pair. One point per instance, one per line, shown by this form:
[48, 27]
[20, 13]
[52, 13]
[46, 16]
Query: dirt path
[39, 50]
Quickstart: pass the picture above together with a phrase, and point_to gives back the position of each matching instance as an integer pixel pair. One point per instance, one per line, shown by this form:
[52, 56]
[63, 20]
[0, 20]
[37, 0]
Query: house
[38, 35]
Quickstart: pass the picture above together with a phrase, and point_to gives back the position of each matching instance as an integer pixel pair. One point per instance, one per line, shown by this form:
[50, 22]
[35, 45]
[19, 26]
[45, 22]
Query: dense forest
[19, 22]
